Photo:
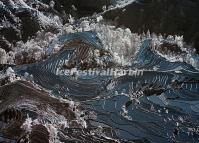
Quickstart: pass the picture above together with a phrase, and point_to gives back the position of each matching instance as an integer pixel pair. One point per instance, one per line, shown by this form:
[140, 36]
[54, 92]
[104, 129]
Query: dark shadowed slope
[161, 16]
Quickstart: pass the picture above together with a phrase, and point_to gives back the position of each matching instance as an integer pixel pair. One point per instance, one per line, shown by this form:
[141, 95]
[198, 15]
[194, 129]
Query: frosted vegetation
[121, 42]
[120, 4]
